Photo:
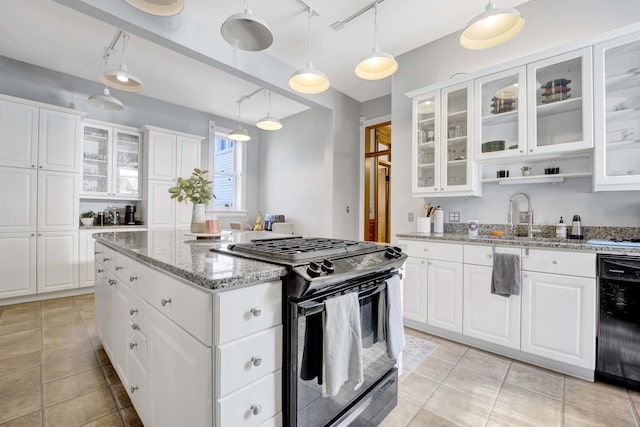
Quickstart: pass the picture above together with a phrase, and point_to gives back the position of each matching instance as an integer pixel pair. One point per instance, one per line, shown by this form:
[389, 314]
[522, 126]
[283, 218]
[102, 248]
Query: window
[226, 170]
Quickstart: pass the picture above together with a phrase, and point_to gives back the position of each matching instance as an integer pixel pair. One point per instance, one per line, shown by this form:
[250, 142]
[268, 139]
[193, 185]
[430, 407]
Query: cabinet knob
[100, 270]
[132, 345]
[531, 150]
[422, 262]
[164, 302]
[489, 256]
[33, 166]
[118, 268]
[40, 166]
[97, 252]
[133, 389]
[132, 278]
[522, 151]
[256, 409]
[111, 282]
[256, 311]
[429, 263]
[555, 262]
[135, 327]
[33, 234]
[441, 188]
[525, 275]
[106, 259]
[256, 360]
[133, 311]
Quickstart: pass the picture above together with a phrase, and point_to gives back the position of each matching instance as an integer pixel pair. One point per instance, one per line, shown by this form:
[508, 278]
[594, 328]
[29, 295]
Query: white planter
[86, 221]
[199, 218]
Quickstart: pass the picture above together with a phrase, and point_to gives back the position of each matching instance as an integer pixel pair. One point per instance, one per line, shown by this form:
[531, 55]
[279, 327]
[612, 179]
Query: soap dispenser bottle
[438, 220]
[561, 229]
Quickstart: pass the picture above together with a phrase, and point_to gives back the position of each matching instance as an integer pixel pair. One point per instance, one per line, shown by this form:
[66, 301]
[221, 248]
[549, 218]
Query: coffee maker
[130, 215]
[269, 219]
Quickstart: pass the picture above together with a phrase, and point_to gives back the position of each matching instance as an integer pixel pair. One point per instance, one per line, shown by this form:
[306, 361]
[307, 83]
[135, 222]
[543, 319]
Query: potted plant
[526, 170]
[196, 189]
[87, 218]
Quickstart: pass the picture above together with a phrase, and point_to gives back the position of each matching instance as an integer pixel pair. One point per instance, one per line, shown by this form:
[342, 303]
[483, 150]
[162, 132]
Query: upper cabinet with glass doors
[560, 109]
[617, 114]
[500, 114]
[110, 162]
[443, 143]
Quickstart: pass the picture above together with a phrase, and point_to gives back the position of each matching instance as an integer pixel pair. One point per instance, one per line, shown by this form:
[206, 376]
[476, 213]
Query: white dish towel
[395, 327]
[342, 344]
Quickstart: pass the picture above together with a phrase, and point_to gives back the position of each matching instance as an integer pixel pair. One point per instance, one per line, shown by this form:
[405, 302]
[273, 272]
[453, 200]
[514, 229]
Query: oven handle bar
[307, 309]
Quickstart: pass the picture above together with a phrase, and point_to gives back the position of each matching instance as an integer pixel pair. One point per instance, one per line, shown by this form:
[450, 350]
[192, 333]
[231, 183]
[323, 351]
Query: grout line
[502, 383]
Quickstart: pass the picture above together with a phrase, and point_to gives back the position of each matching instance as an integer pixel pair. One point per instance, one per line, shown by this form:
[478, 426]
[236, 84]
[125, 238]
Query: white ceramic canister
[438, 220]
[424, 224]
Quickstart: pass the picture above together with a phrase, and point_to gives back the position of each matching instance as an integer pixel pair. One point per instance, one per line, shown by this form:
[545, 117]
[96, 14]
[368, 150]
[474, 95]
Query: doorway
[377, 182]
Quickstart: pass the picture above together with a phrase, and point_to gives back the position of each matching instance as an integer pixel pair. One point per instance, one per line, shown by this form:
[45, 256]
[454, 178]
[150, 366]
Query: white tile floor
[462, 386]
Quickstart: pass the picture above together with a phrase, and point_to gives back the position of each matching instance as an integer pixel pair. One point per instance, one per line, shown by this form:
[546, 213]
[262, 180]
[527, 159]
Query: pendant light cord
[309, 36]
[125, 39]
[376, 30]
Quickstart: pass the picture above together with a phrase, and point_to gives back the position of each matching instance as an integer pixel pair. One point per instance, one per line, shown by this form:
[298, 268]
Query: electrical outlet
[454, 216]
[410, 216]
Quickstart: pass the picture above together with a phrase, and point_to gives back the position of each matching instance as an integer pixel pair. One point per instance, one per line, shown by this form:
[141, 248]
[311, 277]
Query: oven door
[375, 398]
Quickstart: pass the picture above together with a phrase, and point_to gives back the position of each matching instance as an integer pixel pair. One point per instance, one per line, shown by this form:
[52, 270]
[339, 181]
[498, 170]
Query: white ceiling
[50, 35]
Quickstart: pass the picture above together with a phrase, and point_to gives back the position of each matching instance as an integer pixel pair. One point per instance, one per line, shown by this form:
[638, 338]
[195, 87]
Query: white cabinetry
[414, 292]
[489, 317]
[444, 295]
[18, 134]
[169, 155]
[17, 269]
[442, 163]
[57, 256]
[58, 201]
[559, 306]
[110, 161]
[617, 114]
[20, 214]
[59, 144]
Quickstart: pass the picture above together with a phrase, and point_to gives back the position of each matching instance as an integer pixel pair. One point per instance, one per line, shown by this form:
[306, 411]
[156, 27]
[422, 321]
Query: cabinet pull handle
[111, 282]
[164, 302]
[554, 262]
[133, 388]
[132, 345]
[135, 327]
[119, 268]
[256, 409]
[132, 278]
[133, 311]
[256, 311]
[100, 270]
[106, 259]
[256, 360]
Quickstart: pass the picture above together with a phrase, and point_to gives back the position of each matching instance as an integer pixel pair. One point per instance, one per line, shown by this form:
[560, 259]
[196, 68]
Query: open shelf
[536, 179]
[457, 139]
[457, 113]
[571, 104]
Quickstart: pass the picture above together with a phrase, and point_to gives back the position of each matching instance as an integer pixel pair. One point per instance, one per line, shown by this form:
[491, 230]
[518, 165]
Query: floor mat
[414, 353]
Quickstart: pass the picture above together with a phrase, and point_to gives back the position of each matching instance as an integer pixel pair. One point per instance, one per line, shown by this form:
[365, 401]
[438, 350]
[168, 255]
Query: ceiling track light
[309, 80]
[247, 31]
[268, 122]
[158, 7]
[121, 78]
[240, 134]
[492, 27]
[376, 65]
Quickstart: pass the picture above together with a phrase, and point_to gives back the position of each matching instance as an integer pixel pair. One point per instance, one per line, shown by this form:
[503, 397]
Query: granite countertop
[191, 259]
[526, 242]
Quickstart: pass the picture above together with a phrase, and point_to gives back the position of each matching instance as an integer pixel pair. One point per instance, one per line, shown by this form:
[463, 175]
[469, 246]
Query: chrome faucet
[530, 229]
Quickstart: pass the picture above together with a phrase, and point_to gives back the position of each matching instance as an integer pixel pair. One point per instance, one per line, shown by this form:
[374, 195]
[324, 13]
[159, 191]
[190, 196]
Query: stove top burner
[301, 248]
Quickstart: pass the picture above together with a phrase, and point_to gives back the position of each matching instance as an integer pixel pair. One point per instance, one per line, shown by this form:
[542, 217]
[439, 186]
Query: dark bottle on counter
[100, 219]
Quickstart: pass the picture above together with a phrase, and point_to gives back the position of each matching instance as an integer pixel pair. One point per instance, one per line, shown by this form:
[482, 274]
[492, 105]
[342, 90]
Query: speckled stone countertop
[191, 259]
[525, 242]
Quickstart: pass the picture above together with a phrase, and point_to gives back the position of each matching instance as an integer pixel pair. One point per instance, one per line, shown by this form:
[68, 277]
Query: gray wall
[375, 108]
[569, 21]
[28, 81]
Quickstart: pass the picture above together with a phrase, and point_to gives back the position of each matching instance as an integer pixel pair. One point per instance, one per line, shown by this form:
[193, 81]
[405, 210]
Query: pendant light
[376, 65]
[239, 134]
[158, 7]
[122, 79]
[309, 80]
[105, 101]
[268, 122]
[246, 31]
[492, 27]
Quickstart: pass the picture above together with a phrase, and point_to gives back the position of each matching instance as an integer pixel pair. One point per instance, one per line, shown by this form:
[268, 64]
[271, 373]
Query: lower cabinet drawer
[243, 361]
[187, 306]
[252, 405]
[433, 250]
[137, 346]
[483, 255]
[245, 311]
[131, 273]
[105, 256]
[137, 388]
[559, 262]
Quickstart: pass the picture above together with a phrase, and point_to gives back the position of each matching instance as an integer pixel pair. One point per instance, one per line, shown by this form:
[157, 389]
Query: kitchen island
[194, 335]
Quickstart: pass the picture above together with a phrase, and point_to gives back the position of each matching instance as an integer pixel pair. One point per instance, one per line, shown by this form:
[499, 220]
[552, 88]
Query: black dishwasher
[618, 356]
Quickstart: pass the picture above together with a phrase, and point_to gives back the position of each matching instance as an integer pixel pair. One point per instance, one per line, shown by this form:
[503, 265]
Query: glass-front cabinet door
[426, 117]
[456, 167]
[500, 114]
[126, 163]
[96, 159]
[560, 112]
[617, 114]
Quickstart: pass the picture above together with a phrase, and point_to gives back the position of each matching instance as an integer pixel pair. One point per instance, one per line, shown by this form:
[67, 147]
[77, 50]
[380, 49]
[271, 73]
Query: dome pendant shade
[309, 80]
[377, 65]
[492, 27]
[246, 31]
[239, 134]
[122, 79]
[269, 123]
[158, 7]
[105, 101]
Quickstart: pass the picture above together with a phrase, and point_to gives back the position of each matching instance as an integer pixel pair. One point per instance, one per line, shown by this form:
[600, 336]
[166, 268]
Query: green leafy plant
[196, 188]
[87, 214]
[525, 168]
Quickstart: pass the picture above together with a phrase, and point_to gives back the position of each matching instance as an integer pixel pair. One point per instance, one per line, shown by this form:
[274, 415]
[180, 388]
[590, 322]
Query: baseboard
[48, 295]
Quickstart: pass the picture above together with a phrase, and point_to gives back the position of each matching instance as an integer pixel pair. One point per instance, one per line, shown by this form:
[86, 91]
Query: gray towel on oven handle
[395, 326]
[342, 344]
[505, 277]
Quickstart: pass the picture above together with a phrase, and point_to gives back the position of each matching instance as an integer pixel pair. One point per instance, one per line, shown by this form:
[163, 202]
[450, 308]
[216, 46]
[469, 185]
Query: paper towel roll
[424, 224]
